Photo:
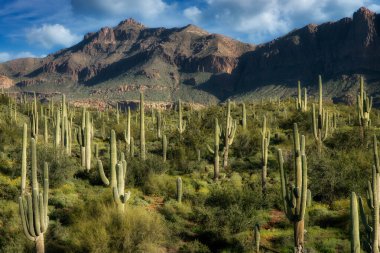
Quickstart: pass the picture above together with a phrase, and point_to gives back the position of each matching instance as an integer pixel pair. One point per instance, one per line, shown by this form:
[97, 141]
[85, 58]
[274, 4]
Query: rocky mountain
[191, 63]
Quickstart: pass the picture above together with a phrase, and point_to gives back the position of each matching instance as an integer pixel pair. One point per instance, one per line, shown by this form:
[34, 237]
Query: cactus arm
[314, 123]
[23, 215]
[102, 174]
[210, 149]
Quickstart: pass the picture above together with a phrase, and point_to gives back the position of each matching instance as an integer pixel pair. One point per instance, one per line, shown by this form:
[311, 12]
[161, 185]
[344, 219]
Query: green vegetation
[283, 179]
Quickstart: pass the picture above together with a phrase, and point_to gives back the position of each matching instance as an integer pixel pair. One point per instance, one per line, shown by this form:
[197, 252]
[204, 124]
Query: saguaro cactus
[320, 122]
[295, 198]
[229, 134]
[265, 140]
[364, 104]
[181, 124]
[355, 227]
[371, 242]
[34, 207]
[257, 238]
[127, 132]
[244, 116]
[88, 141]
[164, 147]
[142, 128]
[119, 195]
[159, 124]
[301, 103]
[215, 151]
[179, 189]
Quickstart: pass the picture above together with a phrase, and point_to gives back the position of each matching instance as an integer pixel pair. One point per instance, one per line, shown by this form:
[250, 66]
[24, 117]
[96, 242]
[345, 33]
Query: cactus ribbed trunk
[40, 245]
[355, 226]
[299, 236]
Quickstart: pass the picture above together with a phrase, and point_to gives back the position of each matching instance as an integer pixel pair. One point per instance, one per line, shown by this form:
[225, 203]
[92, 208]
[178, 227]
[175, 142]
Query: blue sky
[35, 28]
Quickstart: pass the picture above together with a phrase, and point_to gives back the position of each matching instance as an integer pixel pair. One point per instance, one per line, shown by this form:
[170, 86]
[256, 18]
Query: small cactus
[179, 190]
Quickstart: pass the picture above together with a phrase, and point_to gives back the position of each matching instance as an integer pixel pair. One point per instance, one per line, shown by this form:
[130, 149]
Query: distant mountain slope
[191, 63]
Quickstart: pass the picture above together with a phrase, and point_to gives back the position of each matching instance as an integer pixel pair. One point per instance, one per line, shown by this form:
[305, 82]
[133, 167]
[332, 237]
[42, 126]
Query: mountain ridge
[190, 62]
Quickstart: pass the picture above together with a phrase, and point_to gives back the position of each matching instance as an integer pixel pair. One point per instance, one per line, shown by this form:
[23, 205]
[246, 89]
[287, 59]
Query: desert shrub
[61, 166]
[107, 230]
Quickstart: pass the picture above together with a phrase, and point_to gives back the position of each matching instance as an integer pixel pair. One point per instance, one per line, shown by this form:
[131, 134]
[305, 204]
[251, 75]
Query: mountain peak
[194, 29]
[130, 23]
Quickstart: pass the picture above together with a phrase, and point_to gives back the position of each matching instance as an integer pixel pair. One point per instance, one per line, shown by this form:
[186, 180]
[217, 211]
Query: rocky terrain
[188, 62]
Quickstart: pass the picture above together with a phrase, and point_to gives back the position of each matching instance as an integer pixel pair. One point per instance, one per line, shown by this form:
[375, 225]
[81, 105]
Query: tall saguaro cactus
[215, 151]
[84, 138]
[164, 147]
[364, 104]
[265, 140]
[320, 122]
[295, 198]
[127, 132]
[244, 116]
[181, 123]
[371, 242]
[229, 134]
[355, 227]
[34, 207]
[142, 128]
[301, 103]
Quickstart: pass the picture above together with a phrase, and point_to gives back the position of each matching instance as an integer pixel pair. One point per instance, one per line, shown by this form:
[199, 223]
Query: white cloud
[5, 56]
[262, 20]
[142, 8]
[49, 36]
[192, 13]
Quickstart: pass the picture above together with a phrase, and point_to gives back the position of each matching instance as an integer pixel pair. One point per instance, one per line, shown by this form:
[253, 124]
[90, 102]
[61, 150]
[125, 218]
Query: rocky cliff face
[5, 82]
[348, 46]
[131, 57]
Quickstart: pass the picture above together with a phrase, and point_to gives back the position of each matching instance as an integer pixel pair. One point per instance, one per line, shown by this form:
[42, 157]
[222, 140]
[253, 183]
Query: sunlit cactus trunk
[229, 134]
[142, 128]
[295, 199]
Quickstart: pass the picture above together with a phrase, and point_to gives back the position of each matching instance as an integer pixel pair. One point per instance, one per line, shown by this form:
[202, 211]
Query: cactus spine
[295, 199]
[142, 128]
[320, 122]
[229, 134]
[215, 151]
[364, 105]
[355, 228]
[34, 207]
[265, 140]
[179, 190]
